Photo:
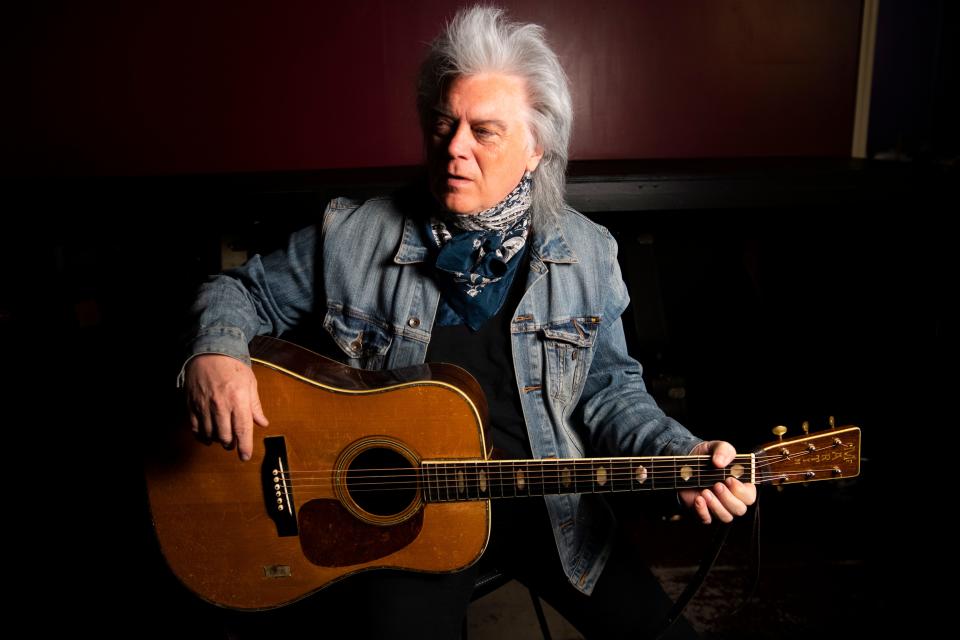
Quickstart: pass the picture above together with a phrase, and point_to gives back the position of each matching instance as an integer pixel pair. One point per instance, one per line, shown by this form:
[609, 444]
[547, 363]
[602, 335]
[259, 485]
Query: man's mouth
[454, 179]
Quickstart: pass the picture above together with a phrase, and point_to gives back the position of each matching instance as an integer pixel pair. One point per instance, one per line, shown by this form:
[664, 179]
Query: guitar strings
[545, 488]
[414, 477]
[453, 468]
[438, 474]
[509, 468]
[578, 465]
[449, 481]
[578, 472]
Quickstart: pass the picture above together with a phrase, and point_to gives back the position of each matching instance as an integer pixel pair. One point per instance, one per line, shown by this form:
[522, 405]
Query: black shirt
[487, 355]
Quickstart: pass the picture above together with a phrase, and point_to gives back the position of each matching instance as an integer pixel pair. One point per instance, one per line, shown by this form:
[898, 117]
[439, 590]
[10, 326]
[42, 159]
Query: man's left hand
[725, 500]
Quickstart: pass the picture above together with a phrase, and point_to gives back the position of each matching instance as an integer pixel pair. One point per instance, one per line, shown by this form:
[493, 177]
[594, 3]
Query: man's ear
[534, 159]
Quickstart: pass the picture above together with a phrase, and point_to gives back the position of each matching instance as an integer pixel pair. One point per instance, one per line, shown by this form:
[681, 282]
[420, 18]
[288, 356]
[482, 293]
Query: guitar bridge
[277, 487]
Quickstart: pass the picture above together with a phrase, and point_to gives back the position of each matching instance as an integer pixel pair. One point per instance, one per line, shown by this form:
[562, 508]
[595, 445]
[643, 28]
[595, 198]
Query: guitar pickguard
[330, 536]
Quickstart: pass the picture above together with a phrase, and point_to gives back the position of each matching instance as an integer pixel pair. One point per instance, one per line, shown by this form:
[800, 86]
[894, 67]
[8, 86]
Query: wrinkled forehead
[485, 96]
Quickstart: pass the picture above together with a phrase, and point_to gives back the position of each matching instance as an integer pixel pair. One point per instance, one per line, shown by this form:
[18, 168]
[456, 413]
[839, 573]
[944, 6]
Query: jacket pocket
[567, 351]
[363, 341]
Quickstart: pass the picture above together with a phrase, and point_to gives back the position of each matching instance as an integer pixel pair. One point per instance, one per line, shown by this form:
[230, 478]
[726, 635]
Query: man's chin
[459, 206]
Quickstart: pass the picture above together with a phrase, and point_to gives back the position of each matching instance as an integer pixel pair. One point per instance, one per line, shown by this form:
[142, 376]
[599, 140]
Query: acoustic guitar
[372, 469]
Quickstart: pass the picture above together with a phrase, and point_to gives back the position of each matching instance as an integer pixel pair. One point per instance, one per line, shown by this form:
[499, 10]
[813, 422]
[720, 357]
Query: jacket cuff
[227, 341]
[683, 445]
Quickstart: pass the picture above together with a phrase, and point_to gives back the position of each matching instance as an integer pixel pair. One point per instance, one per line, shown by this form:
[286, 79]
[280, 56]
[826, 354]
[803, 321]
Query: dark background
[120, 88]
[774, 279]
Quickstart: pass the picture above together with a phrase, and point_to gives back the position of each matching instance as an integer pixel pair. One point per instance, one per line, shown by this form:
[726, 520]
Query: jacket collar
[412, 247]
[549, 244]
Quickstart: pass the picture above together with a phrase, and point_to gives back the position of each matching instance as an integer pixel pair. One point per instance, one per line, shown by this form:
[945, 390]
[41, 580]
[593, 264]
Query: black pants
[627, 602]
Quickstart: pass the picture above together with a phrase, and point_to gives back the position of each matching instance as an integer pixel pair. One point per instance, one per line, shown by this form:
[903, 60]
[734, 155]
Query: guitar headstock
[831, 454]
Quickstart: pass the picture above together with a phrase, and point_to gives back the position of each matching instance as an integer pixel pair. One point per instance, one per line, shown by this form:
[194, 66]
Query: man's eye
[482, 133]
[441, 127]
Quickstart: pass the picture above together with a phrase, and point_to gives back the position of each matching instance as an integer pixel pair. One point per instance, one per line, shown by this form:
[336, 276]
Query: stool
[492, 579]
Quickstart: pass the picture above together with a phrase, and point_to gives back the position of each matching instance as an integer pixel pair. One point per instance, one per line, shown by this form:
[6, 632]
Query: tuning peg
[833, 422]
[779, 431]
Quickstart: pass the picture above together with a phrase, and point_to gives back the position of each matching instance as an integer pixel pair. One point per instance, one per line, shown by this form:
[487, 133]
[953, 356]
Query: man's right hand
[223, 402]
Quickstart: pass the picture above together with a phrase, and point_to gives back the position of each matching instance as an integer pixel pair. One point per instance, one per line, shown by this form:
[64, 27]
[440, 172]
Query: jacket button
[414, 322]
[355, 345]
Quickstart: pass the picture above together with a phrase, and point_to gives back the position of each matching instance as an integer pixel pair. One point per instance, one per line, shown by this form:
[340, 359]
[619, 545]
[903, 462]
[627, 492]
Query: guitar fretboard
[457, 481]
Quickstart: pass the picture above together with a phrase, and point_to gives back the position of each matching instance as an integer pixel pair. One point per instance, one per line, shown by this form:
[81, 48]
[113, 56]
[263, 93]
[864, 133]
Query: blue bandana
[477, 261]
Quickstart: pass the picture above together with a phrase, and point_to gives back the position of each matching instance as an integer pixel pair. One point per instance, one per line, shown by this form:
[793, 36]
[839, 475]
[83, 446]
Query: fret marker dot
[521, 480]
[737, 470]
[640, 474]
[461, 482]
[483, 481]
[602, 476]
[686, 473]
[566, 477]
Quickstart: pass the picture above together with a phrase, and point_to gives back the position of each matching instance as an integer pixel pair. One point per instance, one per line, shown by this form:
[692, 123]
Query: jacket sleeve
[619, 415]
[267, 295]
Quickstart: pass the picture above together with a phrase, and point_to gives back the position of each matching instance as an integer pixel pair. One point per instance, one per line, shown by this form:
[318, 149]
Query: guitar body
[269, 531]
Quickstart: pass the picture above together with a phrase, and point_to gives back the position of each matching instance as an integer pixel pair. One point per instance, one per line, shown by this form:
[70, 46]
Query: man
[494, 272]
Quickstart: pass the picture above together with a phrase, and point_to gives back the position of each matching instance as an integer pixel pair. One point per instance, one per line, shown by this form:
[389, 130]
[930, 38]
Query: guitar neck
[457, 481]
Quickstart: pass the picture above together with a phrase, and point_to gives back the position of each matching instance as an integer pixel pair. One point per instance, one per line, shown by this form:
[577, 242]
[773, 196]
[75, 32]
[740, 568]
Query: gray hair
[480, 39]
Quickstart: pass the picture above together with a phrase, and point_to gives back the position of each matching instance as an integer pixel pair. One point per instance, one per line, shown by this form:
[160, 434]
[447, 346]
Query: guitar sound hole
[382, 482]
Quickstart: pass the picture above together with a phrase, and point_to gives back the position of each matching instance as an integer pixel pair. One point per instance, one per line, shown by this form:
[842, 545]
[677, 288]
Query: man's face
[479, 145]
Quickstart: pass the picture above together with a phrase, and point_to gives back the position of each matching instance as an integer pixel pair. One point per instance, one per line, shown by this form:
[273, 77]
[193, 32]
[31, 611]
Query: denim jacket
[580, 391]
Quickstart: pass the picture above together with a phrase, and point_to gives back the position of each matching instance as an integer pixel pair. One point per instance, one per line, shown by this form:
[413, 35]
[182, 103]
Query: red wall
[173, 86]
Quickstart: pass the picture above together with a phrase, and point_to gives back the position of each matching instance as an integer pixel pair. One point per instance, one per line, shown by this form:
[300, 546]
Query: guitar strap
[719, 539]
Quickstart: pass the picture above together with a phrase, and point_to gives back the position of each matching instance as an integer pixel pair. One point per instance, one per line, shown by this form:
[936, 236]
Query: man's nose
[460, 141]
